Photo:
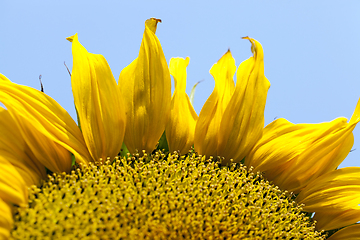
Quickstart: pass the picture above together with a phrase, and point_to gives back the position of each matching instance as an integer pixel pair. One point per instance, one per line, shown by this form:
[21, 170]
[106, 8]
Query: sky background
[311, 48]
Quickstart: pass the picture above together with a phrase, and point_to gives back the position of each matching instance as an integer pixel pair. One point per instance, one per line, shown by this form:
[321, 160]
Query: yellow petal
[349, 233]
[46, 127]
[6, 220]
[243, 120]
[16, 151]
[335, 197]
[30, 175]
[292, 155]
[180, 129]
[13, 189]
[98, 102]
[208, 124]
[334, 220]
[146, 87]
[338, 190]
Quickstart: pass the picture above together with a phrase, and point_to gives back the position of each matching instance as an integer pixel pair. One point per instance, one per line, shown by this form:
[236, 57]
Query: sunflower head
[173, 197]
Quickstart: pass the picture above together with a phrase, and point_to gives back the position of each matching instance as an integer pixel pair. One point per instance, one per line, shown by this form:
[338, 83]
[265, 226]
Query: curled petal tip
[254, 44]
[156, 19]
[71, 38]
[251, 40]
[152, 24]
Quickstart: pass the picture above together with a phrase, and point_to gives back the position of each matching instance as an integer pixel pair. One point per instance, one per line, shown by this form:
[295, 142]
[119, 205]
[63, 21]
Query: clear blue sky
[312, 48]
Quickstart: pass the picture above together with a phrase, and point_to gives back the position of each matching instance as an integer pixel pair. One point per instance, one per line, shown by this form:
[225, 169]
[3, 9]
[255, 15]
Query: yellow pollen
[161, 197]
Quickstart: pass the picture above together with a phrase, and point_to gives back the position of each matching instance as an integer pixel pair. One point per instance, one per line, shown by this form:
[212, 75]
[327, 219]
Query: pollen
[161, 196]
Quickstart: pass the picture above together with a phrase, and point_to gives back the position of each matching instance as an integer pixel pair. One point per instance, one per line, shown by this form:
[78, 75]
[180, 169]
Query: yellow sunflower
[183, 196]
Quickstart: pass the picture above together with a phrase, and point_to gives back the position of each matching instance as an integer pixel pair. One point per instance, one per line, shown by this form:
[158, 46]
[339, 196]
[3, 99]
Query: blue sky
[311, 47]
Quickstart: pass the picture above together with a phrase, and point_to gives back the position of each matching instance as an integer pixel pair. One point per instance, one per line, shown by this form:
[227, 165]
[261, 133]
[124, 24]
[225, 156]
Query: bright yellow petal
[6, 220]
[334, 220]
[243, 120]
[292, 155]
[338, 190]
[335, 197]
[98, 102]
[180, 129]
[146, 87]
[16, 151]
[349, 233]
[30, 174]
[13, 189]
[47, 128]
[208, 124]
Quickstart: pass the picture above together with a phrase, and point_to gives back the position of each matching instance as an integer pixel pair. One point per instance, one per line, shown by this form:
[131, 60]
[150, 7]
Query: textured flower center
[162, 197]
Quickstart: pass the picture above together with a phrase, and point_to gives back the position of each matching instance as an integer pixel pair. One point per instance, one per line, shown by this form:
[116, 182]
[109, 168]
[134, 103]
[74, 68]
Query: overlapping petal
[207, 129]
[335, 194]
[13, 189]
[292, 155]
[232, 119]
[98, 102]
[146, 87]
[6, 220]
[349, 233]
[36, 132]
[15, 150]
[338, 189]
[181, 125]
[336, 219]
[46, 127]
[243, 121]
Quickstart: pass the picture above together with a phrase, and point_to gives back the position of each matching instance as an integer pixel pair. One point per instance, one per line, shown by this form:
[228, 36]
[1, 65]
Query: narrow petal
[146, 87]
[208, 124]
[47, 128]
[6, 220]
[13, 189]
[349, 233]
[192, 93]
[180, 129]
[292, 155]
[98, 102]
[243, 120]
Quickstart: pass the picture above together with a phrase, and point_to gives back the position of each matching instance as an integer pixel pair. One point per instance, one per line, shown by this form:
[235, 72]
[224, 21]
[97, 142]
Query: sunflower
[223, 175]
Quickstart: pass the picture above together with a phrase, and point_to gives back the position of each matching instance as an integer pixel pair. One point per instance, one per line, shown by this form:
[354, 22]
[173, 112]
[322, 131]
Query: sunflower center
[162, 197]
